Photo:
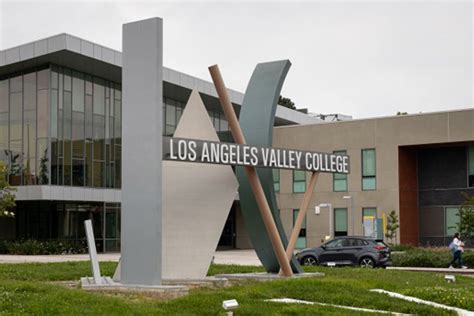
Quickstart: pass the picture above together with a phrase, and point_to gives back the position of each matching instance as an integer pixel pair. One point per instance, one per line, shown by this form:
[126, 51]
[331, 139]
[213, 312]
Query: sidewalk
[240, 257]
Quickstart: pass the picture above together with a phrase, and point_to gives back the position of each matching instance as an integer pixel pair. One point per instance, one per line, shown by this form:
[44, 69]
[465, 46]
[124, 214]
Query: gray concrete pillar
[142, 86]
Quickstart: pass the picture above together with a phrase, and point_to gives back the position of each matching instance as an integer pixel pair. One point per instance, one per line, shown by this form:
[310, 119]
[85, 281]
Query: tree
[401, 113]
[7, 198]
[392, 226]
[286, 102]
[465, 224]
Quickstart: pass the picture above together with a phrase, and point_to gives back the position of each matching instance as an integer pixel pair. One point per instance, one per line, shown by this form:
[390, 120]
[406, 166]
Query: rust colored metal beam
[301, 215]
[251, 173]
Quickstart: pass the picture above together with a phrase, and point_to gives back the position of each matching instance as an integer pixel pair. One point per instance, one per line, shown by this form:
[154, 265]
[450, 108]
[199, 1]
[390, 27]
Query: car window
[337, 243]
[350, 243]
[361, 242]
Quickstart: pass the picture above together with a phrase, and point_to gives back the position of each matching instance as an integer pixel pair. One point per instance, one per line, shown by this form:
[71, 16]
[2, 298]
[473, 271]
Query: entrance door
[227, 240]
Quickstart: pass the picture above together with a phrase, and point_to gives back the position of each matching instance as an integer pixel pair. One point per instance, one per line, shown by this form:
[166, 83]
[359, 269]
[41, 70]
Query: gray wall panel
[142, 152]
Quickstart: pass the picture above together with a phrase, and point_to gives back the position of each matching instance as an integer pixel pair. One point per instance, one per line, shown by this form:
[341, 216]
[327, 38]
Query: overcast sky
[359, 58]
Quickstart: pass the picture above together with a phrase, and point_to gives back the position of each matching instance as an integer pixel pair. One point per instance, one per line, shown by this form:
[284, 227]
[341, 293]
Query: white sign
[180, 149]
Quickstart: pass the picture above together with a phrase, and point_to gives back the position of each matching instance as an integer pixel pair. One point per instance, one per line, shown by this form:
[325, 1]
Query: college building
[417, 165]
[61, 130]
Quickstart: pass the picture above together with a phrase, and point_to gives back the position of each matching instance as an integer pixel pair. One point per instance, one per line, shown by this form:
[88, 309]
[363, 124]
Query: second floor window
[340, 179]
[299, 181]
[368, 170]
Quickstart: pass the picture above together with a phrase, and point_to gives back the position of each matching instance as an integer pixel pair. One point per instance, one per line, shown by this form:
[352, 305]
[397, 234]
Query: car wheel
[309, 261]
[367, 262]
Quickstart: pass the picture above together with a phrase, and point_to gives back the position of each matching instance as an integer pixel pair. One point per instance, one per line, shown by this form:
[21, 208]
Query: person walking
[457, 248]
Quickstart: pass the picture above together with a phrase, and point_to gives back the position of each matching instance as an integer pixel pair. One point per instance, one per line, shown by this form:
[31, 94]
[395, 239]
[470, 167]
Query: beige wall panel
[196, 201]
[413, 129]
[461, 126]
[354, 178]
[387, 167]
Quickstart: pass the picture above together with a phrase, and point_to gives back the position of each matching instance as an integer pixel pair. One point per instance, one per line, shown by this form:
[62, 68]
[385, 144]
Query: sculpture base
[264, 276]
[163, 292]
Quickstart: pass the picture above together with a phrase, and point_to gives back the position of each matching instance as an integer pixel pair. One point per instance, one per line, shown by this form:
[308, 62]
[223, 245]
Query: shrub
[36, 247]
[429, 257]
[401, 247]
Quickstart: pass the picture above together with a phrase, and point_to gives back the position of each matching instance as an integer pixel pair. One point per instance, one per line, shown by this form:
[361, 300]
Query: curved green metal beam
[257, 117]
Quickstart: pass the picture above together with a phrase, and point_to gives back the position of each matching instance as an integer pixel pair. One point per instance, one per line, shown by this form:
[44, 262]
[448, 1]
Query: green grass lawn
[34, 289]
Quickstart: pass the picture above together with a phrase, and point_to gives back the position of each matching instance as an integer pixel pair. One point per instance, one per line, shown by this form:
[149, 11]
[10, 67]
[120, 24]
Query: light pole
[349, 197]
[329, 206]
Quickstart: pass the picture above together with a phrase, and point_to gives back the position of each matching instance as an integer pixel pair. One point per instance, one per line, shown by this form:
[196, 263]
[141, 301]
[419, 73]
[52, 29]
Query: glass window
[118, 167]
[3, 133]
[77, 93]
[99, 97]
[16, 116]
[340, 222]
[43, 79]
[276, 179]
[78, 172]
[301, 241]
[54, 161]
[216, 122]
[15, 160]
[118, 122]
[452, 220]
[29, 101]
[4, 96]
[29, 146]
[471, 165]
[88, 164]
[88, 85]
[43, 161]
[369, 212]
[224, 125]
[67, 163]
[88, 117]
[299, 181]
[170, 115]
[340, 179]
[369, 221]
[368, 169]
[67, 112]
[98, 174]
[67, 80]
[54, 79]
[54, 113]
[43, 114]
[16, 84]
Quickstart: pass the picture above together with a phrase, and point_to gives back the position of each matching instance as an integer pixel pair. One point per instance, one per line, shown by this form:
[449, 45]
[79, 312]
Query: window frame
[374, 176]
[334, 221]
[343, 175]
[276, 176]
[298, 181]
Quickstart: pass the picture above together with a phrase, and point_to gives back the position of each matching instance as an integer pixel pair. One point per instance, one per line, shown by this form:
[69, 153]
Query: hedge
[429, 257]
[36, 247]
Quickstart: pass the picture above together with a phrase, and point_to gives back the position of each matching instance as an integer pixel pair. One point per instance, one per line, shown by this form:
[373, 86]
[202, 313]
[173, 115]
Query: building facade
[61, 131]
[417, 165]
[60, 137]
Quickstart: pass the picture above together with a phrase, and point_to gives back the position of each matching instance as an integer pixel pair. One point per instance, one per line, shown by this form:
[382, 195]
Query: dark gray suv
[349, 250]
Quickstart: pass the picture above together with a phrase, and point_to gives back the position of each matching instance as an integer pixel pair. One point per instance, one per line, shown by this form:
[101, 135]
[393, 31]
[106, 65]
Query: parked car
[365, 252]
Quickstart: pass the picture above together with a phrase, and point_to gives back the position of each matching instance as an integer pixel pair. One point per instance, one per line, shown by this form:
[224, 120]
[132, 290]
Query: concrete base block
[264, 276]
[164, 292]
[209, 282]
